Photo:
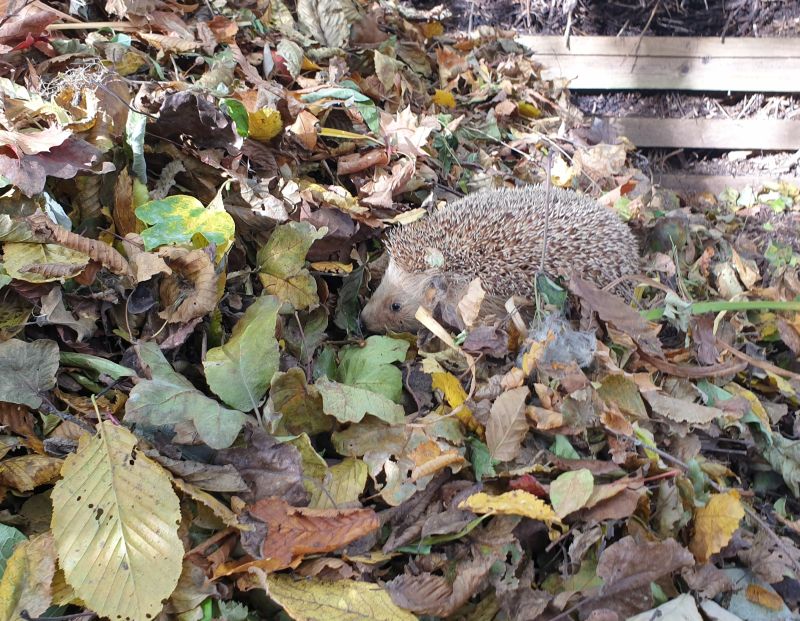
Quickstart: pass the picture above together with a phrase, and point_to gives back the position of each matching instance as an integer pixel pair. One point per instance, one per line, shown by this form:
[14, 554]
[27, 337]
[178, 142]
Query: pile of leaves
[194, 425]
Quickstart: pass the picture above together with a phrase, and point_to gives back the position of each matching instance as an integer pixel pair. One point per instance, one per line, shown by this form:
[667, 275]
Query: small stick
[546, 212]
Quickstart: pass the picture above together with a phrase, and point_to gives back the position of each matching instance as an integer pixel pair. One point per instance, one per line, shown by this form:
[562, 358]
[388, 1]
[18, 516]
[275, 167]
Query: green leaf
[9, 538]
[169, 398]
[240, 371]
[482, 462]
[95, 363]
[27, 370]
[176, 219]
[281, 264]
[347, 304]
[115, 522]
[334, 92]
[563, 448]
[349, 404]
[784, 457]
[370, 367]
[238, 114]
[570, 491]
[134, 133]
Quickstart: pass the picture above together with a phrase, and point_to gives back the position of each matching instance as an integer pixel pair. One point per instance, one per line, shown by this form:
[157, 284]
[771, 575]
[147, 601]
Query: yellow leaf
[715, 524]
[21, 261]
[766, 598]
[332, 132]
[455, 395]
[115, 522]
[27, 578]
[561, 173]
[517, 502]
[444, 99]
[265, 124]
[342, 600]
[432, 29]
[332, 267]
[528, 110]
[755, 404]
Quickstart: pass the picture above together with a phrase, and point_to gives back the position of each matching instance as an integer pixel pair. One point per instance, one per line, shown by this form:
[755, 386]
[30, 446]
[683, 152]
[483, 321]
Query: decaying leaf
[27, 370]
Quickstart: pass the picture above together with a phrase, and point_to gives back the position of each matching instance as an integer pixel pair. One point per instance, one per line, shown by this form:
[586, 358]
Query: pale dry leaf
[507, 426]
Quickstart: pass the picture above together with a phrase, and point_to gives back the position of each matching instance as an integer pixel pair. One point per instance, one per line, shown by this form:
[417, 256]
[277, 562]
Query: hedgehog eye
[396, 307]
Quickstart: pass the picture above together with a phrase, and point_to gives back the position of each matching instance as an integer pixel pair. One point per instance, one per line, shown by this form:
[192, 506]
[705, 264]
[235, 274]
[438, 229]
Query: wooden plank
[694, 184]
[695, 64]
[760, 134]
[734, 47]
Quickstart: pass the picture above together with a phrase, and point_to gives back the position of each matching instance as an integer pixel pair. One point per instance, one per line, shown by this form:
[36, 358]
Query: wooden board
[693, 184]
[676, 63]
[756, 134]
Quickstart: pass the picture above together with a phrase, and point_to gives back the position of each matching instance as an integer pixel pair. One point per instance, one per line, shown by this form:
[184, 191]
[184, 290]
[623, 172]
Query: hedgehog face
[395, 301]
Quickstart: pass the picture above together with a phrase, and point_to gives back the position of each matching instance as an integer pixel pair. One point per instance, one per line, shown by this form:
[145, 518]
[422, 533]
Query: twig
[641, 36]
[50, 408]
[761, 364]
[547, 185]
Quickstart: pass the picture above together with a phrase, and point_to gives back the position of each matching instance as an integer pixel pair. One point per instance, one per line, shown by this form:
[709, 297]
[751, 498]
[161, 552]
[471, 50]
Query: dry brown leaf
[166, 43]
[294, 532]
[51, 233]
[613, 309]
[429, 594]
[681, 410]
[304, 129]
[507, 425]
[192, 266]
[627, 568]
[356, 162]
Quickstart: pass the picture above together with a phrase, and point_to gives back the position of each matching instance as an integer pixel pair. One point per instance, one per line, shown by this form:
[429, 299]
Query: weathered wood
[693, 184]
[680, 63]
[759, 134]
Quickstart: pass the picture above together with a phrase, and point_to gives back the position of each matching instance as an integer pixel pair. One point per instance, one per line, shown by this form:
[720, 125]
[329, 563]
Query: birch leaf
[115, 521]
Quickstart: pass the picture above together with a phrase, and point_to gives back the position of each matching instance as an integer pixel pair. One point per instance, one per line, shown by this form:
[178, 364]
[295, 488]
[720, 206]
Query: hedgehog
[497, 235]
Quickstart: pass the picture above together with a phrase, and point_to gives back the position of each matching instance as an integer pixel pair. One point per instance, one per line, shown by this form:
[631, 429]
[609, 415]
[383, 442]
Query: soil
[688, 18]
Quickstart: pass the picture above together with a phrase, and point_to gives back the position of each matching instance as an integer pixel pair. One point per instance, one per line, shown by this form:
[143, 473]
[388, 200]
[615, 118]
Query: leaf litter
[190, 221]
